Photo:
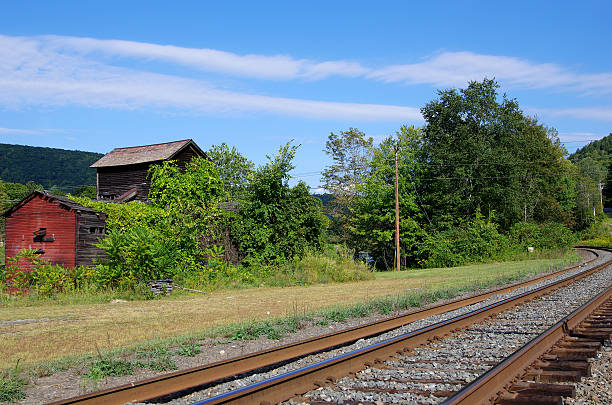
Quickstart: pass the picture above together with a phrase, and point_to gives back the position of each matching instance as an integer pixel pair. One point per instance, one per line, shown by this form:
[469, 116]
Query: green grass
[109, 367]
[156, 353]
[598, 234]
[12, 386]
[188, 349]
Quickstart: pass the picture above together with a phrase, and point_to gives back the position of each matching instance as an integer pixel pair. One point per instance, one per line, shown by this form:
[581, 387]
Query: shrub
[140, 254]
[43, 277]
[477, 240]
[548, 236]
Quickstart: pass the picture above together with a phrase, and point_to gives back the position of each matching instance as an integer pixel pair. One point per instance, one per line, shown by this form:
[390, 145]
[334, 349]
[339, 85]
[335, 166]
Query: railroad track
[320, 373]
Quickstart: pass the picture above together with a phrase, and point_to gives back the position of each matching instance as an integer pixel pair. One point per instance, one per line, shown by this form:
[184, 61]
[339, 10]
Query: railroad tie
[567, 361]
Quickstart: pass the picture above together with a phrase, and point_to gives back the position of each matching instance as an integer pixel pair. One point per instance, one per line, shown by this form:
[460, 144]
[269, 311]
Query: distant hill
[598, 150]
[64, 169]
[601, 151]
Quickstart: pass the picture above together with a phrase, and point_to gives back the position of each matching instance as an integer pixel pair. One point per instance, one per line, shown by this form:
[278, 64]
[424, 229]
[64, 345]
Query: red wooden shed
[61, 230]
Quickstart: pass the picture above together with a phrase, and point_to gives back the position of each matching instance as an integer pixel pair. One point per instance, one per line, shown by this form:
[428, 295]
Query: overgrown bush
[139, 254]
[473, 241]
[28, 272]
[277, 223]
[552, 235]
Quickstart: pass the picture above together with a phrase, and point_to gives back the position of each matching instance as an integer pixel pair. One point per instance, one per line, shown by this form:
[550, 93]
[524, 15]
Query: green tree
[235, 170]
[481, 152]
[350, 152]
[277, 222]
[590, 177]
[373, 222]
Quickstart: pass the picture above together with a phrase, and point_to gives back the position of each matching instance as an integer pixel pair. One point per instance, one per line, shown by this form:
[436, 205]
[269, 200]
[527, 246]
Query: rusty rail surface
[185, 379]
[292, 384]
[486, 388]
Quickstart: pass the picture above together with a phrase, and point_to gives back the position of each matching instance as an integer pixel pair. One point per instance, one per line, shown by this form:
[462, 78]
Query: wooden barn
[122, 174]
[61, 230]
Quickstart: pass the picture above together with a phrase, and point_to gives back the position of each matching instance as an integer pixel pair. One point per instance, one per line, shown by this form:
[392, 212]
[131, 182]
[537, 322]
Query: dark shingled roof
[63, 201]
[144, 154]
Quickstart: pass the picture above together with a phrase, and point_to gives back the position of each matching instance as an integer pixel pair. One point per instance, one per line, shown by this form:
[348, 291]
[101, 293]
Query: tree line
[479, 181]
[479, 171]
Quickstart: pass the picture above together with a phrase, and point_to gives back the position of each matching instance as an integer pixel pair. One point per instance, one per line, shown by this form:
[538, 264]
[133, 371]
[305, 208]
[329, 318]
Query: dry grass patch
[42, 333]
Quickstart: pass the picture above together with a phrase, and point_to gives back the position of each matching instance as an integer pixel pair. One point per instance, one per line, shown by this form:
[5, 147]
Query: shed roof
[145, 154]
[63, 201]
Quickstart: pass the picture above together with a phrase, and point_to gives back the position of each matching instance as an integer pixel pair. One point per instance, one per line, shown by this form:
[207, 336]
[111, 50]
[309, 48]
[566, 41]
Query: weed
[273, 334]
[162, 364]
[190, 349]
[109, 367]
[338, 314]
[154, 352]
[11, 385]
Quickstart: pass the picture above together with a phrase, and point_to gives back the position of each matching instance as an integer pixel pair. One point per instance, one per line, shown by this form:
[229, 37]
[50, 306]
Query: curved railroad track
[389, 345]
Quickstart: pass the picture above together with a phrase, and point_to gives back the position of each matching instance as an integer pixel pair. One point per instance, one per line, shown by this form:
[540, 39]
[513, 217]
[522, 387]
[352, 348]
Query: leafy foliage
[235, 170]
[472, 241]
[350, 152]
[12, 386]
[43, 277]
[373, 220]
[162, 239]
[479, 152]
[277, 222]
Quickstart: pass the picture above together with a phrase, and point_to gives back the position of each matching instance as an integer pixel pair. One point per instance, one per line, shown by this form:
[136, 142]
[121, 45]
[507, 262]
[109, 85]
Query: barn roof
[145, 154]
[63, 201]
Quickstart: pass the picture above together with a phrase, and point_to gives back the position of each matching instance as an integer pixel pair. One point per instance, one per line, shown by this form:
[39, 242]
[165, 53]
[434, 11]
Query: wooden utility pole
[397, 238]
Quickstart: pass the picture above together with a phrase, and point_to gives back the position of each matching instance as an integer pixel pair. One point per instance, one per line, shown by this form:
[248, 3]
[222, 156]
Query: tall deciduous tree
[481, 151]
[235, 170]
[350, 152]
[373, 220]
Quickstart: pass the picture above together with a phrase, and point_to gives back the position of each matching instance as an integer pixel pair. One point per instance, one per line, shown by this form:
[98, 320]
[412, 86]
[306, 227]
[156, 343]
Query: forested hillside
[49, 167]
[595, 159]
[598, 149]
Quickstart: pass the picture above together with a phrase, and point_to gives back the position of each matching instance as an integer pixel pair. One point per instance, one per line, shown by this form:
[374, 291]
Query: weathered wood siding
[185, 156]
[42, 213]
[116, 180]
[91, 228]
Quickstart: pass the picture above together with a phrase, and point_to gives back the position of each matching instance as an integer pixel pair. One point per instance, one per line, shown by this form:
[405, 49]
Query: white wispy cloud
[33, 73]
[444, 69]
[59, 70]
[259, 66]
[18, 131]
[570, 137]
[458, 68]
[583, 113]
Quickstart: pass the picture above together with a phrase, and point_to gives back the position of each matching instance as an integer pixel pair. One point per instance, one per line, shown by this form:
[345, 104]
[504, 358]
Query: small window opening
[41, 236]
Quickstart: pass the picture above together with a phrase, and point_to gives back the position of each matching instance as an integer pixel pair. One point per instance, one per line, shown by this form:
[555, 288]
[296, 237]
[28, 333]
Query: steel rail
[486, 388]
[285, 386]
[185, 379]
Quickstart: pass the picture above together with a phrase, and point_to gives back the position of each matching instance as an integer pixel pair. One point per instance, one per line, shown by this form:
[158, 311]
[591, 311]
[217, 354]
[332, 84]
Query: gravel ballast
[495, 341]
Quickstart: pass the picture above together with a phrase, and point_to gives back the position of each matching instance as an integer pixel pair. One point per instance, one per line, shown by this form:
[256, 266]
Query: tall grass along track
[206, 375]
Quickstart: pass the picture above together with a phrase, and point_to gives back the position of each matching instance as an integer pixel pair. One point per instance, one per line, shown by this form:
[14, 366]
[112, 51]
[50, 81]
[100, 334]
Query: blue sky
[98, 75]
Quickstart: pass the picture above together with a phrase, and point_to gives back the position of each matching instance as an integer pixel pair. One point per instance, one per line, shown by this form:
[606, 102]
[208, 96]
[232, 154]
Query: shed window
[41, 236]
